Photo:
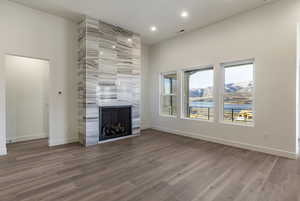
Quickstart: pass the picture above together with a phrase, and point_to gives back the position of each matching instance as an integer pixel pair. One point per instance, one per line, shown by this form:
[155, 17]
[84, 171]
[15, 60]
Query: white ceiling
[139, 15]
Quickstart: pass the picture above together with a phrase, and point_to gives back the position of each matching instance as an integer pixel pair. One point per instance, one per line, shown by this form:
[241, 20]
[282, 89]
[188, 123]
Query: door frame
[49, 92]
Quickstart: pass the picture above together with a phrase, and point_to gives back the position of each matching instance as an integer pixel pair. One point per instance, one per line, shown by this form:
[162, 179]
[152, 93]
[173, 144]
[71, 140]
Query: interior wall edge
[237, 144]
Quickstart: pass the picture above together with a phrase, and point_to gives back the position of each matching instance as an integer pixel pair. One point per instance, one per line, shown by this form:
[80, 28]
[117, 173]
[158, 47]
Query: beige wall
[31, 33]
[268, 34]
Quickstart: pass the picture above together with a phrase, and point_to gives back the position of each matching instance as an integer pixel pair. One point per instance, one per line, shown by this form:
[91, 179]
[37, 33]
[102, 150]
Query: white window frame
[161, 93]
[221, 91]
[184, 95]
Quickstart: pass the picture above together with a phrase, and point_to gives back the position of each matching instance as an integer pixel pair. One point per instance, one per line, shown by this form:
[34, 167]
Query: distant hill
[201, 92]
[243, 87]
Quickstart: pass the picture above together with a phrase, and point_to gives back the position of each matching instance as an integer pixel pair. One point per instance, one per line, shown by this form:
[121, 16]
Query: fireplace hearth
[114, 122]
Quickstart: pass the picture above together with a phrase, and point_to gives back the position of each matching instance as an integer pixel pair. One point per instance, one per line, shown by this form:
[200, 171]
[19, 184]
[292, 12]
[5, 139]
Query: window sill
[198, 120]
[251, 125]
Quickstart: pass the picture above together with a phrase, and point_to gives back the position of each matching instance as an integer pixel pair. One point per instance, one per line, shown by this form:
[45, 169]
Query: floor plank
[156, 166]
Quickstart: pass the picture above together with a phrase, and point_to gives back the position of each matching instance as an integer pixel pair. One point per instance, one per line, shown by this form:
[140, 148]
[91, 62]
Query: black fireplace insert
[114, 122]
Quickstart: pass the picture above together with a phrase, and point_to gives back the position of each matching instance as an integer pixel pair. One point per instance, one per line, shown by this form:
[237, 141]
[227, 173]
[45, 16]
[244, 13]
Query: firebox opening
[114, 122]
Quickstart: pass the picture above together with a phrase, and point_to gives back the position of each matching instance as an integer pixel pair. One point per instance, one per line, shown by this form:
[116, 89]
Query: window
[238, 92]
[168, 94]
[198, 94]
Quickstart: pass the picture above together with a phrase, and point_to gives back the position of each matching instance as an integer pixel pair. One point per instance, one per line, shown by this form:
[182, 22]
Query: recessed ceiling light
[114, 46]
[129, 40]
[153, 28]
[101, 53]
[184, 14]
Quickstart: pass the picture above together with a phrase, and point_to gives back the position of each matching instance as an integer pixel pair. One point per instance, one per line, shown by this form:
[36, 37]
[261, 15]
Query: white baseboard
[26, 138]
[237, 144]
[61, 141]
[145, 127]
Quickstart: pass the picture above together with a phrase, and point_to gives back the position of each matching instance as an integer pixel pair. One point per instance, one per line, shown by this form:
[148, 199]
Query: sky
[239, 74]
[204, 79]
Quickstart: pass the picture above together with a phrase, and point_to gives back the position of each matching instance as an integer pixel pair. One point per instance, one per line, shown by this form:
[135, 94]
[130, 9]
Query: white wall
[268, 34]
[31, 33]
[26, 98]
[145, 117]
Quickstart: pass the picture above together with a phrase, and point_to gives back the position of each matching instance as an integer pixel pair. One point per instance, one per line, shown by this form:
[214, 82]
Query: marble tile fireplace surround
[109, 75]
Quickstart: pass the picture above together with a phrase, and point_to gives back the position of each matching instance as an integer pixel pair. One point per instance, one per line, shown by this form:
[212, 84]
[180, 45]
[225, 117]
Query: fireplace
[114, 122]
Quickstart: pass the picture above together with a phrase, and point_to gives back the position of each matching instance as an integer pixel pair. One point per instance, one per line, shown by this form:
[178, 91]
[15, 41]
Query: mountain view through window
[199, 86]
[238, 93]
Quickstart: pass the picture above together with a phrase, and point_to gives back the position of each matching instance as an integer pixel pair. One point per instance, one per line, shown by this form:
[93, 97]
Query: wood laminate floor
[153, 167]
